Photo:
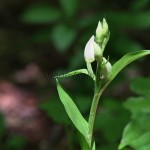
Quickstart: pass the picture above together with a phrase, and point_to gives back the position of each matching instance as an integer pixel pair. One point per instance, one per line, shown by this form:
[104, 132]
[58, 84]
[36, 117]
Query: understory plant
[101, 76]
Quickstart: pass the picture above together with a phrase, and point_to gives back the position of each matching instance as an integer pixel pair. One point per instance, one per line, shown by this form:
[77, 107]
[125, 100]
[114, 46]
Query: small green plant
[137, 132]
[101, 77]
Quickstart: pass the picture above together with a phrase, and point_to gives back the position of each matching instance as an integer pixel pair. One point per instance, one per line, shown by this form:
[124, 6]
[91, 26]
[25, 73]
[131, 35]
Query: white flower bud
[105, 27]
[107, 68]
[98, 51]
[89, 50]
[99, 31]
[104, 60]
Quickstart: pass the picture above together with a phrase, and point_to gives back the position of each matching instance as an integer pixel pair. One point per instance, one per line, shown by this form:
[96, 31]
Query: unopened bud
[105, 27]
[89, 50]
[106, 69]
[99, 32]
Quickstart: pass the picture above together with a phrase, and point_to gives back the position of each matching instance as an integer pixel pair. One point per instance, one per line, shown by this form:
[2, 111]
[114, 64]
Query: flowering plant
[103, 75]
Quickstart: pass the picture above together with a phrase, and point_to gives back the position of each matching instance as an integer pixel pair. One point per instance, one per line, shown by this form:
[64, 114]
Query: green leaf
[108, 146]
[137, 133]
[135, 136]
[41, 13]
[144, 147]
[141, 19]
[70, 7]
[141, 86]
[131, 132]
[141, 141]
[94, 147]
[83, 142]
[72, 111]
[112, 114]
[138, 105]
[62, 37]
[125, 60]
[73, 73]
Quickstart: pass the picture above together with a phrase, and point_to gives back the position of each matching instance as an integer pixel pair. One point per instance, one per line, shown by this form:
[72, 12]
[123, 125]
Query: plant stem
[97, 94]
[90, 70]
[98, 90]
[97, 81]
[95, 101]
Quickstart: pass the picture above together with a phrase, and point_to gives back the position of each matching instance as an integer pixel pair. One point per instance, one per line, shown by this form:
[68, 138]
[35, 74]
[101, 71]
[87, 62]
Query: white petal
[89, 50]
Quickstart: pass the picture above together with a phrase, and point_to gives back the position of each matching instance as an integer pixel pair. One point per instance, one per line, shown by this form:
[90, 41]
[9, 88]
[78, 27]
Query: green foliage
[133, 136]
[141, 86]
[69, 19]
[86, 128]
[141, 19]
[111, 114]
[62, 37]
[54, 26]
[138, 105]
[137, 132]
[41, 13]
[69, 7]
[94, 147]
[72, 111]
[82, 101]
[125, 60]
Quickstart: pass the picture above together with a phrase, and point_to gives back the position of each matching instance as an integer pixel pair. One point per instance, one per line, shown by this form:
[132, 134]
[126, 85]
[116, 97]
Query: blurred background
[44, 38]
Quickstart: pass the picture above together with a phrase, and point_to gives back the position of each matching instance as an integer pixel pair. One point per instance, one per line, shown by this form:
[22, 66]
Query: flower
[105, 27]
[106, 69]
[102, 32]
[89, 50]
[99, 31]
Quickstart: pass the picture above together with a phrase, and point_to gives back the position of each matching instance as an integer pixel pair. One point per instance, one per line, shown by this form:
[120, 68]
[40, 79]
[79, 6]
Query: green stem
[97, 75]
[99, 88]
[95, 101]
[96, 98]
[90, 70]
[97, 94]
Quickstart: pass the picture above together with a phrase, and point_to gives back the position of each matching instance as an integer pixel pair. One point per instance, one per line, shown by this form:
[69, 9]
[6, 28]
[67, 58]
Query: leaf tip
[57, 82]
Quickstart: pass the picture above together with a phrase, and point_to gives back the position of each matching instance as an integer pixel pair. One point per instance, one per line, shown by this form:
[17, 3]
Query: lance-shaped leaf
[94, 147]
[72, 111]
[83, 142]
[125, 60]
[73, 73]
[122, 63]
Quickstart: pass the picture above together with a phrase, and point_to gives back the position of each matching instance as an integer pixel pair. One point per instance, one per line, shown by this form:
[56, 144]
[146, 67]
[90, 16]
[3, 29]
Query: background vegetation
[41, 39]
